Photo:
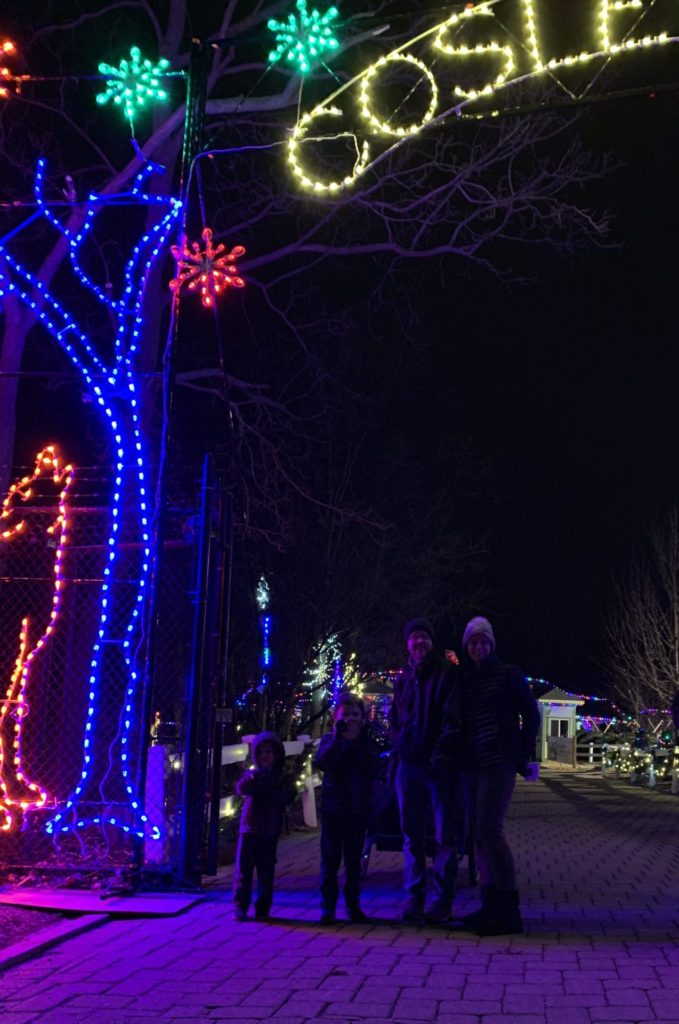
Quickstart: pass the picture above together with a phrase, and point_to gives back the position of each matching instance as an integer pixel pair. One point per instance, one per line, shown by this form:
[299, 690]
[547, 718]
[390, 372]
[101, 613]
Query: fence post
[192, 801]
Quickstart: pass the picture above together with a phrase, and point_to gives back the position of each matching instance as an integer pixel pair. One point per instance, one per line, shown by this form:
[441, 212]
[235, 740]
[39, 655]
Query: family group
[460, 734]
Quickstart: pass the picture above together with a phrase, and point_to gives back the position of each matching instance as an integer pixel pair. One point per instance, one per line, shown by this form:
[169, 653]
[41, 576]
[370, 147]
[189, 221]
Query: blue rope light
[115, 389]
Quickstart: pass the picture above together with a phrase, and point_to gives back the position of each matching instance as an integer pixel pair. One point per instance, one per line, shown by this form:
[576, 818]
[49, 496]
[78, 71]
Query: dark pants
[418, 791]
[487, 796]
[254, 853]
[342, 838]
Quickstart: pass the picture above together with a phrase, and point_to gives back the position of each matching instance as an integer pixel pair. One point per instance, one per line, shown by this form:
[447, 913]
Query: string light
[210, 270]
[606, 7]
[491, 49]
[262, 593]
[263, 598]
[297, 137]
[15, 706]
[304, 37]
[385, 127]
[113, 387]
[7, 49]
[509, 74]
[133, 83]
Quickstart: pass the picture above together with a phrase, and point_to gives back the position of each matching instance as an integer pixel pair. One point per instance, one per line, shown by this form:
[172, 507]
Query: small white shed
[556, 741]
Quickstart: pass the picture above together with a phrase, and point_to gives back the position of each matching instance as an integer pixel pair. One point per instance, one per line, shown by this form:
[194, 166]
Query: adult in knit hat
[421, 625]
[478, 626]
[500, 722]
[424, 779]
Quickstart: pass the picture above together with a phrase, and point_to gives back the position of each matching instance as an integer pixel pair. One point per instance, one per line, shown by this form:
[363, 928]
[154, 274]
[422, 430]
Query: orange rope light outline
[14, 704]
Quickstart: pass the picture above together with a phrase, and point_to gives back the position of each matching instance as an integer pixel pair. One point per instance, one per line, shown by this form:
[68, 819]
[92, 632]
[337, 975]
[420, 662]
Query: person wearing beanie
[425, 779]
[478, 626]
[500, 722]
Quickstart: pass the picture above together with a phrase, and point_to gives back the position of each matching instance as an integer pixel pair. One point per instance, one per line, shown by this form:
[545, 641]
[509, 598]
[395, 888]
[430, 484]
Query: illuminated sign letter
[298, 134]
[609, 7]
[384, 126]
[491, 49]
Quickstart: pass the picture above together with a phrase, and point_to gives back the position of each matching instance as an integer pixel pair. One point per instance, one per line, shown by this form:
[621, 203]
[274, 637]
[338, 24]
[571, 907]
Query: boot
[477, 916]
[327, 914]
[439, 911]
[413, 909]
[504, 915]
[355, 914]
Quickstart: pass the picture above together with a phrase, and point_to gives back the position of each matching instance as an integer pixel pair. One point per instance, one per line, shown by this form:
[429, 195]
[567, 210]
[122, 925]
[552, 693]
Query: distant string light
[263, 598]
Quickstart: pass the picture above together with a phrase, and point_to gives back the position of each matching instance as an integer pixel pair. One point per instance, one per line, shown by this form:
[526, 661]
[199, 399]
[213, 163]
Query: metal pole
[223, 712]
[193, 129]
[191, 801]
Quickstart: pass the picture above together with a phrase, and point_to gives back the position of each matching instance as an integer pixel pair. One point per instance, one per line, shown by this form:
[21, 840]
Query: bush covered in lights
[642, 761]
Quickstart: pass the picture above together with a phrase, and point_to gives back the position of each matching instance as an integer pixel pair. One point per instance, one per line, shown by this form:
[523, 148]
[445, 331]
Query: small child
[348, 758]
[260, 825]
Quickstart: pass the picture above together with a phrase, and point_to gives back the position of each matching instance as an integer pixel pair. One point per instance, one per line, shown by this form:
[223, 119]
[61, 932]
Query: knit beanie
[413, 624]
[478, 626]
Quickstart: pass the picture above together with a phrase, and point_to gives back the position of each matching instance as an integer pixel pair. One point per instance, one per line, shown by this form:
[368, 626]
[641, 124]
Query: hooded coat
[265, 791]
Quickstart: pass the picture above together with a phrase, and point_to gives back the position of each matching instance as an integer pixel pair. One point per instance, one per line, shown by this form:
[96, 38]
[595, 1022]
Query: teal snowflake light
[133, 83]
[303, 38]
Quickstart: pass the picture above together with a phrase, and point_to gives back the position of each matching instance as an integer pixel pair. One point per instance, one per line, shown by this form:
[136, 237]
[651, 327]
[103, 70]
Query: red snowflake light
[212, 269]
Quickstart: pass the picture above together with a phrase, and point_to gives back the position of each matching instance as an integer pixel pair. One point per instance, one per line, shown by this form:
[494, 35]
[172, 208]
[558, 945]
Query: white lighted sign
[614, 31]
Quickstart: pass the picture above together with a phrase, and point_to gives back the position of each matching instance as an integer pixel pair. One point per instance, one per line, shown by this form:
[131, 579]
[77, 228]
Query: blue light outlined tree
[105, 793]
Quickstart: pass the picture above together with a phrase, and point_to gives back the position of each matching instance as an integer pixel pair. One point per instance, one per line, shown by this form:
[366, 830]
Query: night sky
[570, 385]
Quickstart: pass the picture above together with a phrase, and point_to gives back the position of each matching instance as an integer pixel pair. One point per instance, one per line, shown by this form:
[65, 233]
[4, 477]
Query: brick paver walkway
[599, 869]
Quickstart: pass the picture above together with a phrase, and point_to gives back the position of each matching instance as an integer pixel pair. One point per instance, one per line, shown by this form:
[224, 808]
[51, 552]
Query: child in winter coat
[266, 795]
[348, 758]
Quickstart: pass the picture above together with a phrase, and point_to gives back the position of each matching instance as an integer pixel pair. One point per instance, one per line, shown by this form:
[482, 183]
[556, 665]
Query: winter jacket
[500, 716]
[349, 768]
[266, 792]
[421, 693]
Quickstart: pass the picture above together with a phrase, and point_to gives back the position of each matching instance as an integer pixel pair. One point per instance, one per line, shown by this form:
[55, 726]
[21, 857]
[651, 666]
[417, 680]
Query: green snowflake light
[303, 38]
[133, 83]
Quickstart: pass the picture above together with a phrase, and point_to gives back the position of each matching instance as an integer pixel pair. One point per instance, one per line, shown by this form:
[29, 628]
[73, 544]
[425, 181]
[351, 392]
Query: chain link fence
[85, 749]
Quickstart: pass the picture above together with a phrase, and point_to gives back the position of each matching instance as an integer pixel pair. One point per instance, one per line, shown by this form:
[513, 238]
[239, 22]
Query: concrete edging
[48, 937]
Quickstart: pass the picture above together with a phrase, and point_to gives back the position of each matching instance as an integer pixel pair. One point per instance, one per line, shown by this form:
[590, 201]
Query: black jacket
[416, 721]
[500, 716]
[349, 768]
